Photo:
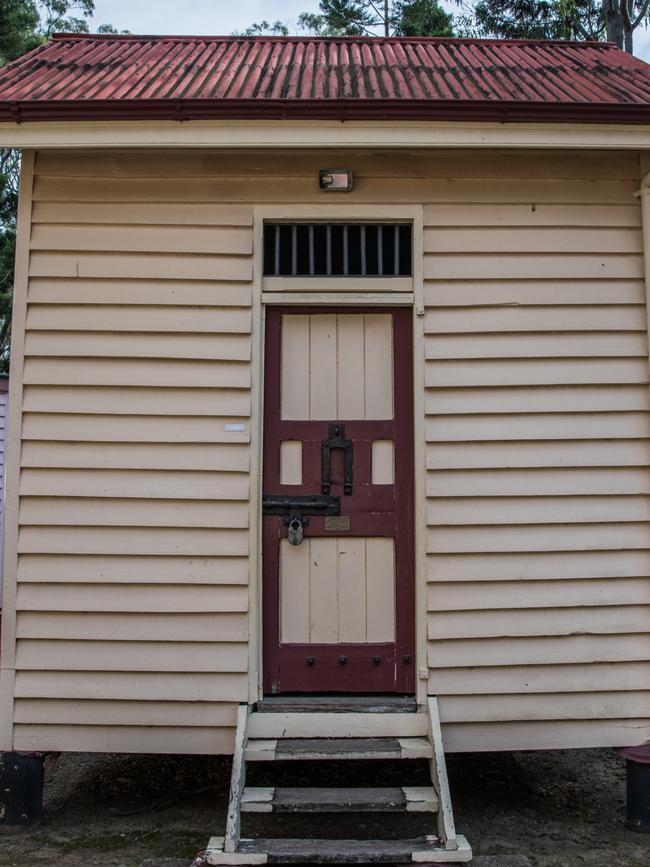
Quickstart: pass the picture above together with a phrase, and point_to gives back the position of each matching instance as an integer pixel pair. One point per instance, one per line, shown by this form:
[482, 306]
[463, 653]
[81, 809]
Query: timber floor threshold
[337, 704]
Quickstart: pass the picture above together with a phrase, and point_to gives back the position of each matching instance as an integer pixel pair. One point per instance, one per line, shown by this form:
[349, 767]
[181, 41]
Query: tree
[365, 17]
[19, 20]
[340, 18]
[55, 17]
[266, 28]
[621, 18]
[614, 20]
[9, 175]
[109, 30]
[422, 18]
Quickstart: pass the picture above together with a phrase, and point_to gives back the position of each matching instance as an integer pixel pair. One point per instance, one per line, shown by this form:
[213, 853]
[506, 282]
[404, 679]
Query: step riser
[337, 725]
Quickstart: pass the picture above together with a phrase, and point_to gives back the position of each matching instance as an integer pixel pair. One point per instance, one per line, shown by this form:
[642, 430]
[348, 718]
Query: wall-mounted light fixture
[335, 180]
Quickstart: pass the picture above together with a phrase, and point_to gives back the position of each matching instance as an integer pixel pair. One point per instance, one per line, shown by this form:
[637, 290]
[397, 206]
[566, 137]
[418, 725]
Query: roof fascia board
[319, 134]
[340, 109]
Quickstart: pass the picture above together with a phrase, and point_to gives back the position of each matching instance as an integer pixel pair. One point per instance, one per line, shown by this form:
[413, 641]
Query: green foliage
[340, 18]
[266, 28]
[365, 17]
[108, 29]
[532, 19]
[19, 20]
[421, 18]
[55, 16]
[614, 20]
[9, 175]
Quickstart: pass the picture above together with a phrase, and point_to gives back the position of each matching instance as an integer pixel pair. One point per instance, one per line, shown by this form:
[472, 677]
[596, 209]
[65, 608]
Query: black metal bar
[396, 250]
[328, 237]
[311, 252]
[301, 257]
[336, 440]
[276, 261]
[380, 250]
[308, 504]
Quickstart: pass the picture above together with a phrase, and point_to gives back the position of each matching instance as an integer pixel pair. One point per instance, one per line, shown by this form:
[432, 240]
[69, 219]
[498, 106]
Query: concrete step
[339, 800]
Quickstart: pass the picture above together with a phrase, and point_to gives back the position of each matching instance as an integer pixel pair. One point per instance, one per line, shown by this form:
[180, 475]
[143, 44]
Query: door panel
[339, 606]
[337, 590]
[344, 370]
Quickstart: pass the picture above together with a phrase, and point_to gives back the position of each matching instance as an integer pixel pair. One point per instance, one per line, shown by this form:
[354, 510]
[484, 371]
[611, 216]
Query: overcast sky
[219, 17]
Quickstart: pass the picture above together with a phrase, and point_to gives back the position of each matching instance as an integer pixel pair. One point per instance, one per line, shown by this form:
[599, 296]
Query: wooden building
[329, 377]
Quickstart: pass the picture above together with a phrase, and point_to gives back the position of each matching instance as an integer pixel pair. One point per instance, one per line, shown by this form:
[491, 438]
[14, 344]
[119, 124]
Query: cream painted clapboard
[3, 444]
[133, 543]
[132, 597]
[537, 430]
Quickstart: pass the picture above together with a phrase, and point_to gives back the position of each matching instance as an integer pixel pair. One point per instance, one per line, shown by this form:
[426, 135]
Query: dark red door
[338, 434]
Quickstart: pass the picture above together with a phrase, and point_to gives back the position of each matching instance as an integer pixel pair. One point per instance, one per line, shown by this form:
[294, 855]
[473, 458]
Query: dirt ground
[558, 809]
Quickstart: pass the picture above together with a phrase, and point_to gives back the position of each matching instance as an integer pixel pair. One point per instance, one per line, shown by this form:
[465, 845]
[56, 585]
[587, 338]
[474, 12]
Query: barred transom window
[337, 249]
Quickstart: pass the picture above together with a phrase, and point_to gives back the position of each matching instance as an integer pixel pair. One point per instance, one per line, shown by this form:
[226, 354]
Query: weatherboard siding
[133, 547]
[132, 595]
[3, 448]
[537, 431]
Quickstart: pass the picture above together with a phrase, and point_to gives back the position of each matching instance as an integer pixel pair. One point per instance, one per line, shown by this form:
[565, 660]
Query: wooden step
[339, 800]
[310, 749]
[332, 724]
[289, 851]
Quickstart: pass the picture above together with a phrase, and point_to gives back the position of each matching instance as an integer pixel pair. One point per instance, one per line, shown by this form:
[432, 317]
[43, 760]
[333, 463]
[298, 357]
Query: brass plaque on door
[339, 523]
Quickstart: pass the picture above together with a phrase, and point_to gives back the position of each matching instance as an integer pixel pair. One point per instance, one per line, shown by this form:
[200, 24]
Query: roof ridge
[467, 40]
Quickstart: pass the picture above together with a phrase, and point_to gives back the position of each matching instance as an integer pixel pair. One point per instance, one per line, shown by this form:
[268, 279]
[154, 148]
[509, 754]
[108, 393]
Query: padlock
[295, 531]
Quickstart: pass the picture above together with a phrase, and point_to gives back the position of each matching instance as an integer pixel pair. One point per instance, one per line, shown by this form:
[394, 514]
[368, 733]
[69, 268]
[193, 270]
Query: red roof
[85, 77]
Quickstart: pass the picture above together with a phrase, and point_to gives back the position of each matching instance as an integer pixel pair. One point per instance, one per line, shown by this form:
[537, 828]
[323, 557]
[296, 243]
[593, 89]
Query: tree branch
[578, 27]
[625, 13]
[379, 14]
[642, 14]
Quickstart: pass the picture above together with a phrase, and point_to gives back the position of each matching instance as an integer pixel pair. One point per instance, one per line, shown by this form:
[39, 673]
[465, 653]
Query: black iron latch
[337, 440]
[293, 511]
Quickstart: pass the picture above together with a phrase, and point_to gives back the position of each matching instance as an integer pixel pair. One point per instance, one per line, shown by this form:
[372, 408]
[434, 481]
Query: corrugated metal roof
[82, 77]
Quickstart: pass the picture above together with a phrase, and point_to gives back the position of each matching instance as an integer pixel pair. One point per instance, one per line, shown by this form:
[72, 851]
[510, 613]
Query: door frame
[286, 292]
